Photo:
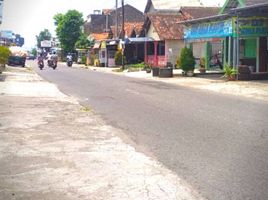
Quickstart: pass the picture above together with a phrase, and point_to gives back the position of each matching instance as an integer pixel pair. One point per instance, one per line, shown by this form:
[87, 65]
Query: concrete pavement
[53, 148]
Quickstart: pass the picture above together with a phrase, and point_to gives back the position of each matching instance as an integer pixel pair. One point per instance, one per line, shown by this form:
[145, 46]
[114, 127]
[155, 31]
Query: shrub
[202, 62]
[118, 57]
[83, 59]
[229, 72]
[4, 55]
[186, 60]
[92, 58]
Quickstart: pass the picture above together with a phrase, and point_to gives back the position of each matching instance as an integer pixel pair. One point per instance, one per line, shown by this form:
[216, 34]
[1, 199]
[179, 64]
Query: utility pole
[123, 33]
[116, 20]
[123, 20]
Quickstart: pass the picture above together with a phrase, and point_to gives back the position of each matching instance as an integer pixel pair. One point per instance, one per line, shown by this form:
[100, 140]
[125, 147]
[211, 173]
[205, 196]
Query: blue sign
[253, 26]
[216, 29]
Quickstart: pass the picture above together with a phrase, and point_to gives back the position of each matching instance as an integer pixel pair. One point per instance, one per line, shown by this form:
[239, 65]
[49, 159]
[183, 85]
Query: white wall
[152, 33]
[173, 48]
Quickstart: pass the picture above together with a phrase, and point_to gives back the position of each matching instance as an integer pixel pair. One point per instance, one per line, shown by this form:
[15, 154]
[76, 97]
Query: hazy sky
[29, 17]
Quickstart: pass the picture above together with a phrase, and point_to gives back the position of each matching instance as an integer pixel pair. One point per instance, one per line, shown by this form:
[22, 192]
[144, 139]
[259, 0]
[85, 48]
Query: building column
[145, 52]
[155, 53]
[224, 51]
[229, 50]
[258, 55]
[207, 55]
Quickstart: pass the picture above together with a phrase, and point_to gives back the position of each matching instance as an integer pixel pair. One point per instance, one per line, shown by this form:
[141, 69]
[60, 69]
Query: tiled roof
[100, 36]
[170, 4]
[130, 28]
[200, 12]
[107, 11]
[166, 25]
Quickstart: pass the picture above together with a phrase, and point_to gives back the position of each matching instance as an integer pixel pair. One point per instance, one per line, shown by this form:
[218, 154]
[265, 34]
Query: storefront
[242, 34]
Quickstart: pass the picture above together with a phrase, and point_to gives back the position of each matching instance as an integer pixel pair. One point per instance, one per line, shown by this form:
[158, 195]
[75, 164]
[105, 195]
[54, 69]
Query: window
[150, 48]
[161, 48]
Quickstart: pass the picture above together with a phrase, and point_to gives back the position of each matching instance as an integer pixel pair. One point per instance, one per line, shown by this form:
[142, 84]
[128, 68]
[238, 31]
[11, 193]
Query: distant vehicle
[16, 60]
[31, 57]
[18, 56]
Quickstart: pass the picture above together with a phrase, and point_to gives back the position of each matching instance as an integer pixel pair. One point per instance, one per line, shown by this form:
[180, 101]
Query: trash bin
[155, 71]
[166, 72]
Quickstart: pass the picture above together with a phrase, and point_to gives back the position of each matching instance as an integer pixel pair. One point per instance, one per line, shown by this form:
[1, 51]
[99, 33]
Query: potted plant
[202, 67]
[229, 72]
[4, 56]
[187, 61]
[147, 68]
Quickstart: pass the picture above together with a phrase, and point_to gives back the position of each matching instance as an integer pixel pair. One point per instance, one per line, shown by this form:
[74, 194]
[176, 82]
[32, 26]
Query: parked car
[17, 60]
[18, 56]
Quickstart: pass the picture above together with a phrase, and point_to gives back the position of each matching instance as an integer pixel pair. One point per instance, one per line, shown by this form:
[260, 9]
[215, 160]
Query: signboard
[217, 29]
[1, 10]
[7, 34]
[46, 43]
[253, 26]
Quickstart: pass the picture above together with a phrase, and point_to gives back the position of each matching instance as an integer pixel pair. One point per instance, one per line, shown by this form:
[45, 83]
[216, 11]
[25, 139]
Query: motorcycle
[69, 61]
[52, 62]
[40, 63]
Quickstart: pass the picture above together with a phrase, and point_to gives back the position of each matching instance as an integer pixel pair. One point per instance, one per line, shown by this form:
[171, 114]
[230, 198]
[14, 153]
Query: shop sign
[103, 45]
[253, 26]
[215, 29]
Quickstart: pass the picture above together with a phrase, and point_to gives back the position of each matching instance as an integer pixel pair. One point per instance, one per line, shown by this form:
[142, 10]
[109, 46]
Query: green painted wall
[250, 48]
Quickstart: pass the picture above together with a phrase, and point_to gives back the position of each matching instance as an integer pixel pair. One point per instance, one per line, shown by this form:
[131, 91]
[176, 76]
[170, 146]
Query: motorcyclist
[40, 60]
[69, 59]
[52, 60]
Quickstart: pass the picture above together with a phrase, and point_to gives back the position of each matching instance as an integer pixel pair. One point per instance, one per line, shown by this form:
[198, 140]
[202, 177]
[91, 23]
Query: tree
[69, 29]
[34, 51]
[83, 42]
[186, 60]
[43, 35]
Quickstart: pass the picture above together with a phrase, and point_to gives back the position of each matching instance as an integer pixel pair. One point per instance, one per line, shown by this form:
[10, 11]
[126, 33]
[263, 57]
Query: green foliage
[83, 59]
[229, 71]
[138, 67]
[118, 57]
[69, 29]
[43, 35]
[4, 55]
[202, 62]
[186, 60]
[83, 42]
[34, 51]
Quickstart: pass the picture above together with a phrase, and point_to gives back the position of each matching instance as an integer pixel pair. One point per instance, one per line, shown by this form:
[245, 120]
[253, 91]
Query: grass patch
[85, 109]
[118, 70]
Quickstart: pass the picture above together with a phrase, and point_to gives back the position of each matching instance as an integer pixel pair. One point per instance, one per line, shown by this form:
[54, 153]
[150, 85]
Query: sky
[29, 17]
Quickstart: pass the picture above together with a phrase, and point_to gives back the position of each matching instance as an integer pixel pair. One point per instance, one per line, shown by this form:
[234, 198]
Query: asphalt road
[217, 143]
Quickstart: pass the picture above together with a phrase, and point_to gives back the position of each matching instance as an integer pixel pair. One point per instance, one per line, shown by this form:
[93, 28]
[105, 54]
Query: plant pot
[155, 71]
[166, 72]
[148, 70]
[231, 78]
[2, 68]
[202, 70]
[190, 73]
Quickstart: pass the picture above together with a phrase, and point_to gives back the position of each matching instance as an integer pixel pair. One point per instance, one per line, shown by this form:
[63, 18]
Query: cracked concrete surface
[52, 148]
